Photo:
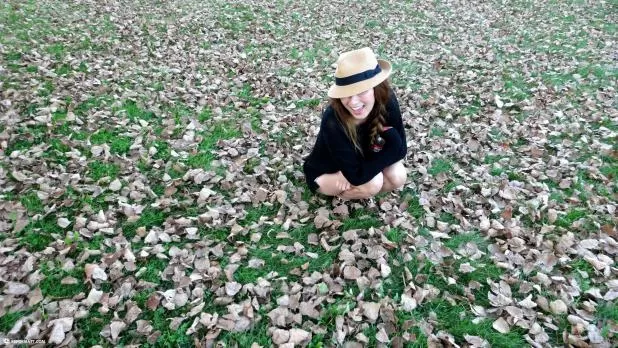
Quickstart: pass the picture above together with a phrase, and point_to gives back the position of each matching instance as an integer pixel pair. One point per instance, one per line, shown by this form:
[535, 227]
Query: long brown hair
[376, 117]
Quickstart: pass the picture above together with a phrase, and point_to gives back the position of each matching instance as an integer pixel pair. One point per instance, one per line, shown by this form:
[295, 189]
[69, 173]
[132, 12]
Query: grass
[51, 286]
[571, 216]
[98, 170]
[439, 166]
[27, 137]
[118, 144]
[204, 155]
[457, 321]
[8, 320]
[150, 217]
[37, 235]
[414, 207]
[32, 203]
[134, 112]
[253, 214]
[91, 326]
[154, 267]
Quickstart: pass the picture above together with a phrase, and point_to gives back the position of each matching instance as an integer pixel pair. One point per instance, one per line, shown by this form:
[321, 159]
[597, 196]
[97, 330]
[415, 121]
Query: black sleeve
[394, 120]
[355, 168]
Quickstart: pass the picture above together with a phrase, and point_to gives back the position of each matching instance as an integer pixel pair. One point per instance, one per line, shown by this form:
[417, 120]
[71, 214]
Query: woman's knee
[374, 185]
[397, 175]
[327, 185]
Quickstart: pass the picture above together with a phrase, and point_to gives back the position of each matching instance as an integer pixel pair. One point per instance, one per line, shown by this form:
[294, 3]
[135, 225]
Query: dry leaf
[351, 272]
[558, 307]
[371, 310]
[14, 288]
[501, 326]
[299, 336]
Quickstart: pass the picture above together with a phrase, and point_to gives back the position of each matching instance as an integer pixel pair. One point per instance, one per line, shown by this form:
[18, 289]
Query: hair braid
[377, 124]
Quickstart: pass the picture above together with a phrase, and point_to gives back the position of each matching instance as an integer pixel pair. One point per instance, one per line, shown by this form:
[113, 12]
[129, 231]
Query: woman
[359, 150]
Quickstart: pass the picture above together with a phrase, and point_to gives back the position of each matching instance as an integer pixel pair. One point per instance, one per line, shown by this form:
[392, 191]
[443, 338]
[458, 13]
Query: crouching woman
[361, 143]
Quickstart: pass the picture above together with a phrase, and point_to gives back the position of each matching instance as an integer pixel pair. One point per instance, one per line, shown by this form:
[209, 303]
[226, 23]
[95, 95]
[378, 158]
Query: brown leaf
[501, 326]
[351, 272]
[382, 336]
[341, 210]
[116, 327]
[371, 310]
[59, 328]
[507, 213]
[308, 309]
[232, 288]
[280, 336]
[558, 307]
[299, 336]
[153, 302]
[16, 289]
[35, 297]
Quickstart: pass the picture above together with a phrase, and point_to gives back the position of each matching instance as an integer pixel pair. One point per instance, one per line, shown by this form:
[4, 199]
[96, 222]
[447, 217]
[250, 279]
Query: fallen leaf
[501, 326]
[371, 310]
[558, 307]
[299, 336]
[351, 272]
[16, 289]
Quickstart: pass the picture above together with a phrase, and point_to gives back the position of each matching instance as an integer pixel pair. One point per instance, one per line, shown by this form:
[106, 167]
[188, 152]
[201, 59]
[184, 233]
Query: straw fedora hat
[357, 71]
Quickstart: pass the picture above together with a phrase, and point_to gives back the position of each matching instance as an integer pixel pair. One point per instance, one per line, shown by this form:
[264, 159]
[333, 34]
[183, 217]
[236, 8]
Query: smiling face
[359, 105]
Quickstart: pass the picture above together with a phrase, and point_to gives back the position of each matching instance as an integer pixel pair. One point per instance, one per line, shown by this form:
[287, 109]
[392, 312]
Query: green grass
[12, 56]
[458, 240]
[571, 216]
[57, 50]
[91, 326]
[607, 311]
[63, 69]
[250, 165]
[118, 144]
[491, 159]
[32, 203]
[154, 267]
[169, 338]
[439, 166]
[310, 103]
[253, 214]
[92, 103]
[27, 137]
[8, 320]
[360, 220]
[204, 155]
[205, 114]
[436, 132]
[36, 235]
[457, 320]
[450, 186]
[150, 217]
[163, 150]
[134, 112]
[98, 170]
[51, 286]
[395, 235]
[414, 206]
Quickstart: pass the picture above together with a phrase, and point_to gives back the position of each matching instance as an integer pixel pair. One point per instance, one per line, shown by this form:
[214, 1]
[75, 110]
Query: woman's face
[359, 105]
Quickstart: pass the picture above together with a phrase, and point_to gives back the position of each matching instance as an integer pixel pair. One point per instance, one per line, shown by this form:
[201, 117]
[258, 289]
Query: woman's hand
[342, 183]
[333, 184]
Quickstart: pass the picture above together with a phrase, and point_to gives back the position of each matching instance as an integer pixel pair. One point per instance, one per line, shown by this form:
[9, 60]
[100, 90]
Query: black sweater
[334, 151]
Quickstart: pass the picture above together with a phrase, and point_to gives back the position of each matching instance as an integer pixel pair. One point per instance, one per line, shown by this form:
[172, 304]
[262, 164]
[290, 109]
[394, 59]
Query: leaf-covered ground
[152, 189]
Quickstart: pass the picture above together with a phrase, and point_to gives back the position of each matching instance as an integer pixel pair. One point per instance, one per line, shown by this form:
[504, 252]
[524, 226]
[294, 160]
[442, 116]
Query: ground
[151, 186]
